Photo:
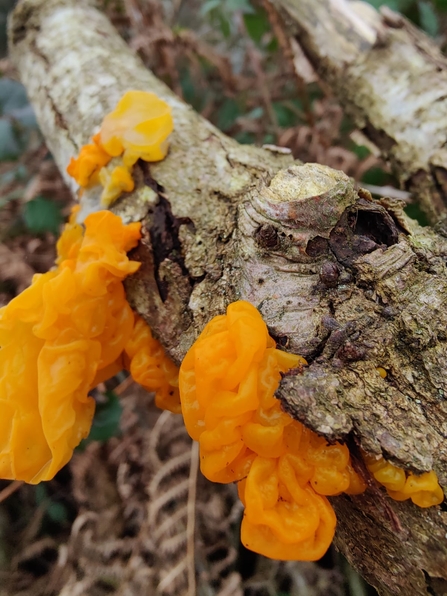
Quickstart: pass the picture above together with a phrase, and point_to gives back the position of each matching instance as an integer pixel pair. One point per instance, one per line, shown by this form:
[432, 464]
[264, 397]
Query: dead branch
[349, 283]
[390, 77]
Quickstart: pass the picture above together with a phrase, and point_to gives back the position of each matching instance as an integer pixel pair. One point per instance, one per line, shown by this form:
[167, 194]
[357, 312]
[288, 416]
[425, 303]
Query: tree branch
[349, 283]
[390, 77]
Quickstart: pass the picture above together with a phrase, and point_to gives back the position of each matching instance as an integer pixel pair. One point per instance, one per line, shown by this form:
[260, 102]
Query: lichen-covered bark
[391, 78]
[350, 283]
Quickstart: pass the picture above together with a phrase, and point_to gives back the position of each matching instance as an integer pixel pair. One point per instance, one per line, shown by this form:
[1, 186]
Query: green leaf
[208, 6]
[397, 5]
[106, 423]
[225, 26]
[187, 85]
[360, 150]
[57, 512]
[257, 25]
[25, 117]
[42, 215]
[9, 144]
[428, 18]
[268, 139]
[227, 114]
[441, 5]
[375, 176]
[40, 493]
[243, 5]
[255, 113]
[415, 212]
[12, 95]
[245, 138]
[285, 116]
[405, 7]
[272, 46]
[376, 3]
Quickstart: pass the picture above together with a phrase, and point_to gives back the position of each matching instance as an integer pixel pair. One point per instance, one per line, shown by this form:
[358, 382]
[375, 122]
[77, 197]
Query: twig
[285, 43]
[154, 437]
[191, 520]
[10, 489]
[204, 50]
[387, 191]
[261, 79]
[124, 385]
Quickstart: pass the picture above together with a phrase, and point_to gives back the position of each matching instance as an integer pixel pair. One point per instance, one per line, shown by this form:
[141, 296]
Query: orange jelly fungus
[114, 182]
[227, 384]
[149, 366]
[71, 329]
[423, 489]
[138, 128]
[86, 167]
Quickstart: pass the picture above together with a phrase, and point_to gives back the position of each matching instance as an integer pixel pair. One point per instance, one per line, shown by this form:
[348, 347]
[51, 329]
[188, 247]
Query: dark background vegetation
[229, 60]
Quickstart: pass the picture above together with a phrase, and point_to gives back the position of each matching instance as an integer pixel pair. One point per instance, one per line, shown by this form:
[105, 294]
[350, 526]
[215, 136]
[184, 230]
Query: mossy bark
[351, 284]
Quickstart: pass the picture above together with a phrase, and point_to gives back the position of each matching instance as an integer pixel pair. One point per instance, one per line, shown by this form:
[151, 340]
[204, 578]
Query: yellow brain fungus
[423, 489]
[284, 470]
[115, 182]
[71, 329]
[149, 366]
[92, 158]
[227, 384]
[54, 337]
[138, 128]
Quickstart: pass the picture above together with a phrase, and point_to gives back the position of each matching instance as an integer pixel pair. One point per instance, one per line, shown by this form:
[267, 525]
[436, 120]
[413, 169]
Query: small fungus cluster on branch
[285, 471]
[422, 489]
[71, 329]
[138, 128]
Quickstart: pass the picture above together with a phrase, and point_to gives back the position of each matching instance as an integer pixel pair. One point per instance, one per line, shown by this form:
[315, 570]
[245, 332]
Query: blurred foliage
[17, 119]
[106, 423]
[56, 511]
[426, 14]
[41, 215]
[5, 7]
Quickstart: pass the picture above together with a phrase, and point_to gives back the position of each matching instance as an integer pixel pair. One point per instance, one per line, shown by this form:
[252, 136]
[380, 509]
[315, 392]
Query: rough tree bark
[390, 77]
[349, 283]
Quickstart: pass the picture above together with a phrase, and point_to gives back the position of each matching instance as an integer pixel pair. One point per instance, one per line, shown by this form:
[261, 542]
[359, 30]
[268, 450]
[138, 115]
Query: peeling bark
[390, 77]
[350, 283]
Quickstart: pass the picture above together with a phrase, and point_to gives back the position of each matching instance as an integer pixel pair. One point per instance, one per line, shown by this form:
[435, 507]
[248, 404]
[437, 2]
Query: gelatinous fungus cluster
[71, 329]
[285, 471]
[422, 489]
[138, 128]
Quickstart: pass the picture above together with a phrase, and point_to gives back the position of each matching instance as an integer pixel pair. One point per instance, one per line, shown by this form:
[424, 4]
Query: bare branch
[391, 78]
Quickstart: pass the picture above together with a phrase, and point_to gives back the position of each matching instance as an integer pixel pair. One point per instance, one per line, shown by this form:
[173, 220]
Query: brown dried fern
[150, 524]
[169, 502]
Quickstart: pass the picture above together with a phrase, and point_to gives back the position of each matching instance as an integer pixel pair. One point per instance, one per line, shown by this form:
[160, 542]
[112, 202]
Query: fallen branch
[390, 77]
[349, 283]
